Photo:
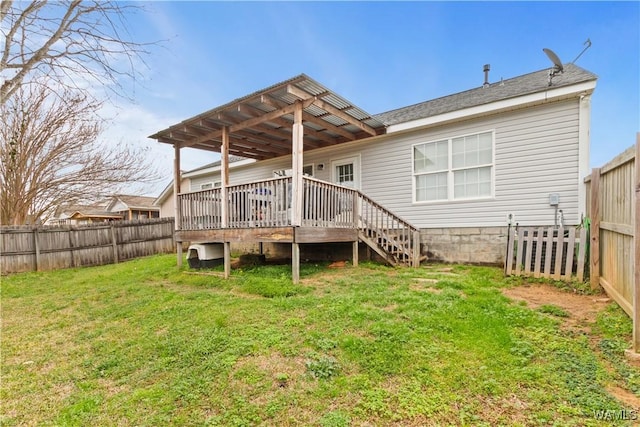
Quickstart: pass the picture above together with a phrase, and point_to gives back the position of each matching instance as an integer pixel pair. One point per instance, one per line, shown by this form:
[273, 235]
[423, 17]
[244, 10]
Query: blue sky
[378, 55]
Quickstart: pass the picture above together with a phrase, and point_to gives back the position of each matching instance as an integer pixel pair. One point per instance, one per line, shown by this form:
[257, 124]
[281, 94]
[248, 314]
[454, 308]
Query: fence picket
[557, 268]
[519, 252]
[509, 261]
[571, 241]
[539, 242]
[548, 256]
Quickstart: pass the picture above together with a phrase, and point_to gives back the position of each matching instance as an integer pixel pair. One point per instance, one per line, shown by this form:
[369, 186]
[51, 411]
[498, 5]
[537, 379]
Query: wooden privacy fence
[28, 248]
[613, 201]
[553, 253]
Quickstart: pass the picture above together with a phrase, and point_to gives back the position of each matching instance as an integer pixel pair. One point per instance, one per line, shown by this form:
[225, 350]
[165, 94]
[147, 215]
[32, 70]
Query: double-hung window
[453, 169]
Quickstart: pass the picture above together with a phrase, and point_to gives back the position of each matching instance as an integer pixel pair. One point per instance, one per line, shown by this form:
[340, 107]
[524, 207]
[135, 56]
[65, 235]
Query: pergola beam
[328, 126]
[302, 94]
[247, 123]
[330, 140]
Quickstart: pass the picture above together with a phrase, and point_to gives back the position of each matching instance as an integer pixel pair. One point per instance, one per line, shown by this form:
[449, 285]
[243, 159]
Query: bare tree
[50, 154]
[67, 41]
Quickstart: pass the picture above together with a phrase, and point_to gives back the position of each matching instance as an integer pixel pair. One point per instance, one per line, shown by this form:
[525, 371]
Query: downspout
[584, 125]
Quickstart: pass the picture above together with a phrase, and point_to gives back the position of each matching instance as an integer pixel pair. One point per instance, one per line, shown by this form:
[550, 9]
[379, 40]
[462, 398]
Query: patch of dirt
[338, 264]
[283, 371]
[624, 396]
[389, 308]
[582, 309]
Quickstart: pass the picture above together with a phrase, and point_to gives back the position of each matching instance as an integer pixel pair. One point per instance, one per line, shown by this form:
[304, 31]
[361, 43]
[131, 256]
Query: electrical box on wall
[554, 199]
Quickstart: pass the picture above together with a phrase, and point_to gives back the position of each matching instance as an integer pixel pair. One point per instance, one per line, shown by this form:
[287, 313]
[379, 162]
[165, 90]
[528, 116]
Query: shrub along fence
[28, 248]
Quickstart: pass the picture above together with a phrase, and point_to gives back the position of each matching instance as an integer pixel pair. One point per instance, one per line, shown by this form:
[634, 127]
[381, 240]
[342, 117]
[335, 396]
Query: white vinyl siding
[536, 152]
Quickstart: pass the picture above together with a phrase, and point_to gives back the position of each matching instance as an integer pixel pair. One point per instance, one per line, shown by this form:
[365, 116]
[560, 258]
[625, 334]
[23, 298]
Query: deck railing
[268, 203]
[328, 205]
[200, 210]
[264, 203]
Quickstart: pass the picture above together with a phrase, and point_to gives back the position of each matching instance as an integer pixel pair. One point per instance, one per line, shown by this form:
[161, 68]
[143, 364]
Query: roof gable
[132, 202]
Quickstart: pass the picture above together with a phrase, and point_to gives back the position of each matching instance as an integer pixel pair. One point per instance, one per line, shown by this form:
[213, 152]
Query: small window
[454, 169]
[210, 185]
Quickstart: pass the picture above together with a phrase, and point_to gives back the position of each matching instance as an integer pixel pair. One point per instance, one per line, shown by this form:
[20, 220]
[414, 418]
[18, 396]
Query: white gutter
[494, 107]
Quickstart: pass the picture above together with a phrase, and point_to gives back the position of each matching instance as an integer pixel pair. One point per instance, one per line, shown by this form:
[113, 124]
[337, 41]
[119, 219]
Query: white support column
[296, 186]
[176, 202]
[296, 166]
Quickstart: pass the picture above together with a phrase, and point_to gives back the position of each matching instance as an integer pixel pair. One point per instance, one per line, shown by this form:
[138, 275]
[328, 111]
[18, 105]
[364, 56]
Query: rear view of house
[440, 180]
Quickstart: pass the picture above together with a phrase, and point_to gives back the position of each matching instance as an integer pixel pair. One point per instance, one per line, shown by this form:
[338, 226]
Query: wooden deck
[268, 204]
[262, 212]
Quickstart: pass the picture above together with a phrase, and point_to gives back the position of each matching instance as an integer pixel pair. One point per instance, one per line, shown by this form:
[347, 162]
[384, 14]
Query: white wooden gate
[549, 252]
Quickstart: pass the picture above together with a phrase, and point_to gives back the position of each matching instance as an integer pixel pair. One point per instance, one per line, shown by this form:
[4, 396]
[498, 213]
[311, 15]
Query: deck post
[176, 200]
[296, 166]
[295, 263]
[355, 253]
[224, 205]
[224, 177]
[416, 250]
[227, 259]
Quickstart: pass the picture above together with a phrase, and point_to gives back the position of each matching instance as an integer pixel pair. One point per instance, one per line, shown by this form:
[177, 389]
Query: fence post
[36, 246]
[72, 245]
[114, 243]
[594, 213]
[636, 238]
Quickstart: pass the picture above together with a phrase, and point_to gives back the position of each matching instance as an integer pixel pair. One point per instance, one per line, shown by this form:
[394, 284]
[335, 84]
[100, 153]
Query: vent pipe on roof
[486, 69]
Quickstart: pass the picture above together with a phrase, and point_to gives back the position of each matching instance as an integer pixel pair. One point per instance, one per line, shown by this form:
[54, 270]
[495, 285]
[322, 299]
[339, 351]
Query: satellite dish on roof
[557, 64]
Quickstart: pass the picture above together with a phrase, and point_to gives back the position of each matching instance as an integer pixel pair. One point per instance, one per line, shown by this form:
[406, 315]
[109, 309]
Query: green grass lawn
[144, 343]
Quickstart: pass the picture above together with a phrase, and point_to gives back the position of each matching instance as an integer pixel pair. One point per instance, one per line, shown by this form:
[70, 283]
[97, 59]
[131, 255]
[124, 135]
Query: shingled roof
[505, 89]
[134, 202]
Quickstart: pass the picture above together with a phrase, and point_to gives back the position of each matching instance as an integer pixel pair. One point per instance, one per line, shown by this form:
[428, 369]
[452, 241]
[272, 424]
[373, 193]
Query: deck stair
[391, 237]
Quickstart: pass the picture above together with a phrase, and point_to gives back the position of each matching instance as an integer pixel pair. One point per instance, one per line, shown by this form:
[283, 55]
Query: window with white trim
[210, 185]
[453, 169]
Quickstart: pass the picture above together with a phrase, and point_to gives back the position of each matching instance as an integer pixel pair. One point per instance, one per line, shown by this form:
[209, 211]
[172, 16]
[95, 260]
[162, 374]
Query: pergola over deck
[285, 119]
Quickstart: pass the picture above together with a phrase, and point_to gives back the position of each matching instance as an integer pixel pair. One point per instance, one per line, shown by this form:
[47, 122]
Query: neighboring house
[201, 178]
[133, 207]
[115, 208]
[82, 214]
[459, 169]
